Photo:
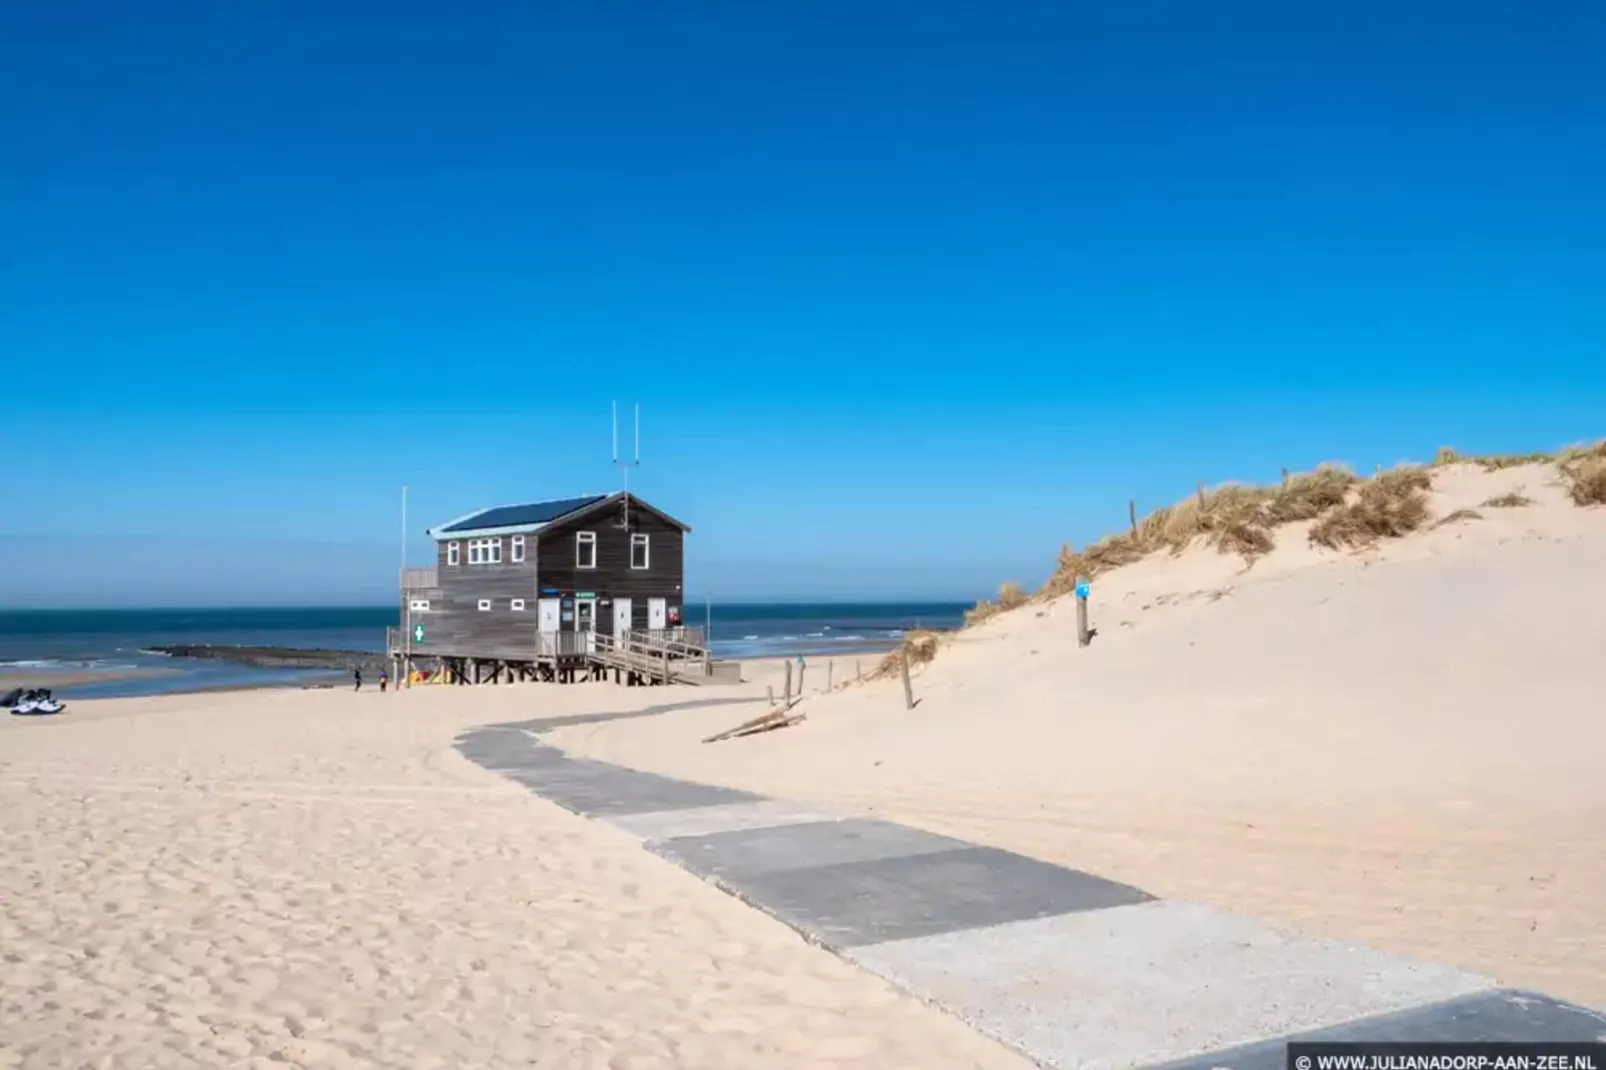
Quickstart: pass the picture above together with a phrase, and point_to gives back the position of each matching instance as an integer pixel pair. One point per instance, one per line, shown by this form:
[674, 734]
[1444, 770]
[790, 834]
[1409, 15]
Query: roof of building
[507, 516]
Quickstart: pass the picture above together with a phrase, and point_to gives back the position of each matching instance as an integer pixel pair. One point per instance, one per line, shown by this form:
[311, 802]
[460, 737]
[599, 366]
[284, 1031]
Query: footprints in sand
[360, 904]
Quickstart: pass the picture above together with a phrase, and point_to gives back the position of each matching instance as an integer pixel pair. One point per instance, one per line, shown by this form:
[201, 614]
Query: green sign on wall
[418, 633]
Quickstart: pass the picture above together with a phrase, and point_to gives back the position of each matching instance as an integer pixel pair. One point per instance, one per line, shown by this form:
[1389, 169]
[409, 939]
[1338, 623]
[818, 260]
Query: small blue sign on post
[1081, 590]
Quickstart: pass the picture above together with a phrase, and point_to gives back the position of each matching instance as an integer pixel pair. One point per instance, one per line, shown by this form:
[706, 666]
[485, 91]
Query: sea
[110, 642]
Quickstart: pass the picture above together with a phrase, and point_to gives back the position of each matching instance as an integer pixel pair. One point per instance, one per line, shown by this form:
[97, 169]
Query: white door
[657, 613]
[585, 622]
[621, 619]
[546, 624]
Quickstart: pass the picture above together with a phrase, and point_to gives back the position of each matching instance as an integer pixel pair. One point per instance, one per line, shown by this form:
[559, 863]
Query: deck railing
[564, 644]
[414, 578]
[662, 645]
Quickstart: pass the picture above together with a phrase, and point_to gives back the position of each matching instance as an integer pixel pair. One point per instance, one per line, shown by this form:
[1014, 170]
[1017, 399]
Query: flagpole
[407, 610]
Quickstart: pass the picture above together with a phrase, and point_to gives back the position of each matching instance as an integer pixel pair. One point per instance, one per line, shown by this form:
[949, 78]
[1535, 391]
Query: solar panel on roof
[532, 513]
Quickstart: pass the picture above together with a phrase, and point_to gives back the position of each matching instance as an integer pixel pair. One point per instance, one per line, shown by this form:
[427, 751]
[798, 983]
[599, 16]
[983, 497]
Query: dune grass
[921, 646]
[1458, 516]
[1583, 472]
[1011, 595]
[1492, 462]
[1348, 512]
[1387, 506]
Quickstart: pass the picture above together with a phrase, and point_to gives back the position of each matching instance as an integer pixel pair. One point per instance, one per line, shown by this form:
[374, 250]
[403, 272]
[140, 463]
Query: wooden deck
[659, 656]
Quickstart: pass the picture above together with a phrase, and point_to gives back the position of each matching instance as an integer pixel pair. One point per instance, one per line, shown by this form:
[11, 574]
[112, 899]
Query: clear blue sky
[910, 292]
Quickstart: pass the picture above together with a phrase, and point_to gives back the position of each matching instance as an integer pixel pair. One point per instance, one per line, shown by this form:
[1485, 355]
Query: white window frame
[517, 550]
[518, 605]
[646, 551]
[485, 551]
[454, 553]
[419, 605]
[583, 539]
[485, 605]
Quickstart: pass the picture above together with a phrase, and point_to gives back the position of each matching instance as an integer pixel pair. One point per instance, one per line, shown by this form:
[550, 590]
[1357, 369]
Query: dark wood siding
[613, 577]
[456, 625]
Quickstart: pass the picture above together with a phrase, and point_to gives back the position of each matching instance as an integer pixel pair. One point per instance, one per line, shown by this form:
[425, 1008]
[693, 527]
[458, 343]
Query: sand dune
[263, 879]
[1399, 747]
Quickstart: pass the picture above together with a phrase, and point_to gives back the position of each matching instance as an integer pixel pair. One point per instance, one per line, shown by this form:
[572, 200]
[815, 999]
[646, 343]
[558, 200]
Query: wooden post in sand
[858, 670]
[802, 667]
[1132, 513]
[830, 671]
[1082, 636]
[1201, 496]
[908, 688]
[789, 683]
[770, 691]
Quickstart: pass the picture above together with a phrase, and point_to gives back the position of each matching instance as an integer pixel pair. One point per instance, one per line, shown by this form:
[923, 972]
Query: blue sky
[910, 293]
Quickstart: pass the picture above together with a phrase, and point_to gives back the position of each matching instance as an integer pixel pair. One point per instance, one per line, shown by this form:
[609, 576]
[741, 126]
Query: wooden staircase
[656, 659]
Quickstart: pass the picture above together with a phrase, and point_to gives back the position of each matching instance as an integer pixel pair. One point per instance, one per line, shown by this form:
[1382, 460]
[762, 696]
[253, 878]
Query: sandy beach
[272, 878]
[1398, 747]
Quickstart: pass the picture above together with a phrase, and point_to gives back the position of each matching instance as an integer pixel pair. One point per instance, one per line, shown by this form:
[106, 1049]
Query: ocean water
[107, 640]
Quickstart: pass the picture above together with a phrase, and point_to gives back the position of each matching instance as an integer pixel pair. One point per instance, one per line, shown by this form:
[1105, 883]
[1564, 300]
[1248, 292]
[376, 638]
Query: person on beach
[384, 678]
[356, 674]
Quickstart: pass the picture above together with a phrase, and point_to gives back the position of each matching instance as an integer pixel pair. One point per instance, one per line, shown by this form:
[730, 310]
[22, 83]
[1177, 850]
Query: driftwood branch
[764, 722]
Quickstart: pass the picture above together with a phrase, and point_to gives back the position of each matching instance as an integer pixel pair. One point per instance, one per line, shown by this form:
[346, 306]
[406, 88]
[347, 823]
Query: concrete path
[1066, 967]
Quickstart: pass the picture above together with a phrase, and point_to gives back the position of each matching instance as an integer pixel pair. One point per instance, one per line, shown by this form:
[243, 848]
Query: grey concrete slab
[1499, 1015]
[858, 903]
[801, 846]
[1163, 980]
[704, 821]
[527, 756]
[596, 792]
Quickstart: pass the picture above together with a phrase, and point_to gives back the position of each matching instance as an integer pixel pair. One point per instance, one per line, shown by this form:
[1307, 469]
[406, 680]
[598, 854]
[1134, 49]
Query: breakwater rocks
[279, 657]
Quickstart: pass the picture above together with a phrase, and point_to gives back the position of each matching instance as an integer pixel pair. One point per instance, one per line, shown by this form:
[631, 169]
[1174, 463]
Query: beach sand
[287, 878]
[1400, 748]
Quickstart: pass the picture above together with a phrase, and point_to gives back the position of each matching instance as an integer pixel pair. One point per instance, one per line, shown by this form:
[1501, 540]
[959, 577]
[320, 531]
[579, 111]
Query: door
[621, 619]
[585, 622]
[546, 625]
[657, 614]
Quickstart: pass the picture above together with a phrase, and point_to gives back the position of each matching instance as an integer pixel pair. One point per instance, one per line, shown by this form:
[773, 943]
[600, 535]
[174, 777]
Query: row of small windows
[489, 551]
[421, 605]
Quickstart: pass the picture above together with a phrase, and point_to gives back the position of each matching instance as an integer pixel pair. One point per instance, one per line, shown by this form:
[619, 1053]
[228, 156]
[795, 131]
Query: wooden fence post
[1082, 637]
[802, 667]
[830, 671]
[789, 682]
[858, 670]
[1132, 513]
[770, 691]
[908, 688]
[1201, 496]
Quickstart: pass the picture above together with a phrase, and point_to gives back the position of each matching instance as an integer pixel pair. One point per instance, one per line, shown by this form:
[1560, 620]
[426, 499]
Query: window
[484, 551]
[638, 551]
[485, 605]
[518, 547]
[518, 605]
[454, 552]
[585, 550]
[419, 605]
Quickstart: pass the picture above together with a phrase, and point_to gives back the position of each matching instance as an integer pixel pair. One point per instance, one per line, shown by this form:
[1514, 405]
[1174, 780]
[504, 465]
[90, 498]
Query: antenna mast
[626, 465]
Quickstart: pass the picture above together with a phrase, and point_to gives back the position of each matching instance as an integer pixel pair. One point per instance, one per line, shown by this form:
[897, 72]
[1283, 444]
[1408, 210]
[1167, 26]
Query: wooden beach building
[569, 589]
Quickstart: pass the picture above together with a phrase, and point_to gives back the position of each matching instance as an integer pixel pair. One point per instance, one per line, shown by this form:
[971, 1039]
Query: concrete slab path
[1066, 967]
